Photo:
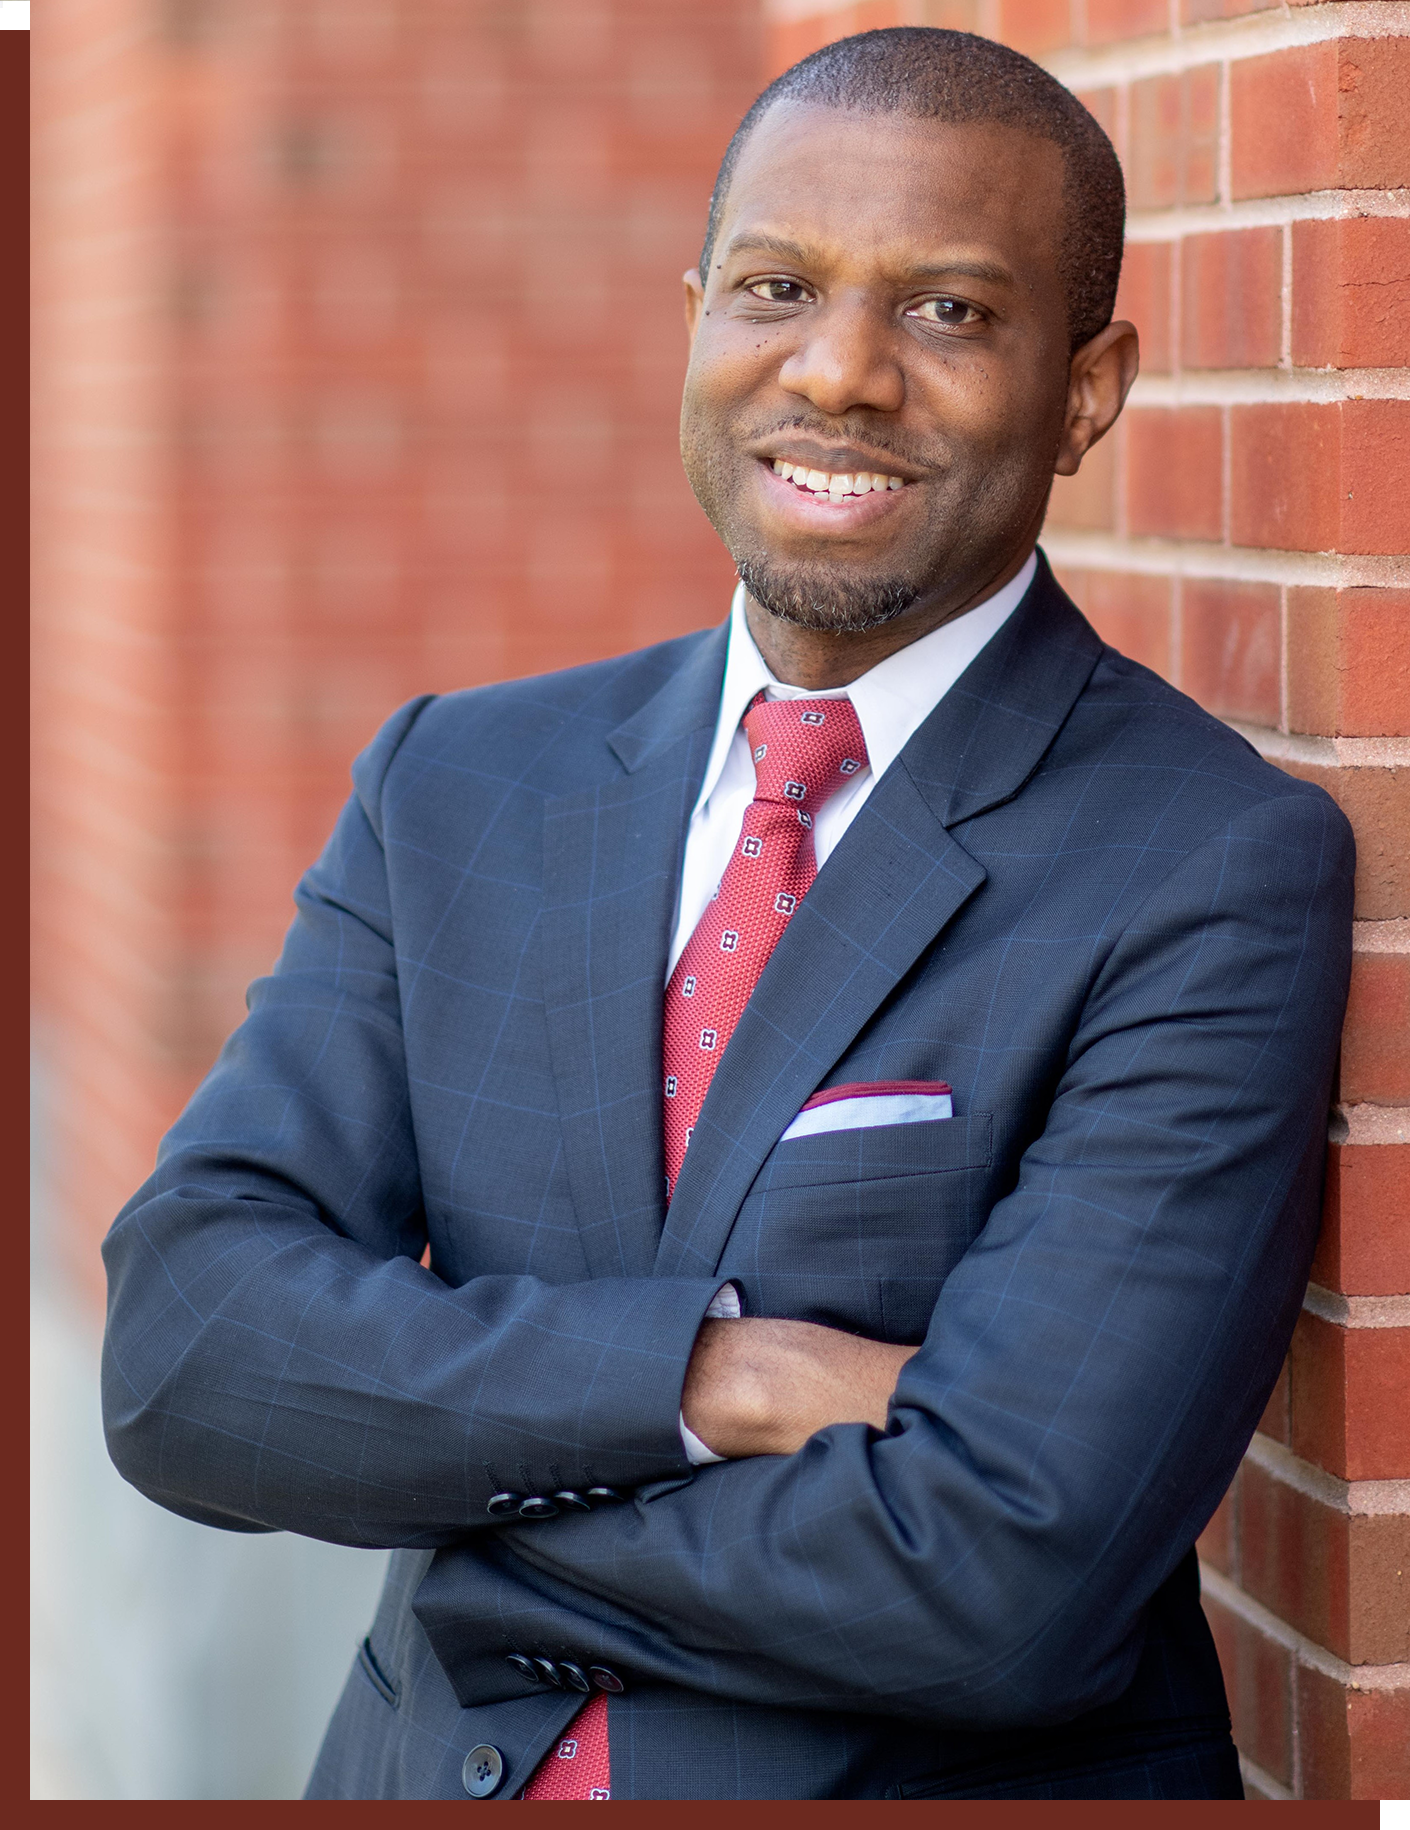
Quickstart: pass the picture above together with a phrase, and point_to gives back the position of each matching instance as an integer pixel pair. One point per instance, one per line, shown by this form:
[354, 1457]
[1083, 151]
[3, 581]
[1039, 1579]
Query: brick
[1035, 26]
[1342, 1579]
[1352, 1743]
[1131, 610]
[1348, 1406]
[1377, 802]
[1174, 471]
[1321, 478]
[1320, 116]
[1283, 122]
[1173, 156]
[1284, 471]
[1364, 1246]
[1144, 298]
[1375, 476]
[1373, 79]
[1258, 1679]
[1351, 292]
[1087, 500]
[1108, 20]
[1375, 1046]
[1349, 661]
[1230, 641]
[1231, 309]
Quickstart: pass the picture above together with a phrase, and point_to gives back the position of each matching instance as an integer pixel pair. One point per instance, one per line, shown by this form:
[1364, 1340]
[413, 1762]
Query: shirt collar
[892, 700]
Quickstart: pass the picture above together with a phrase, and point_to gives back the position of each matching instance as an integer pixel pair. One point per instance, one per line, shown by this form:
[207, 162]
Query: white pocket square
[864, 1103]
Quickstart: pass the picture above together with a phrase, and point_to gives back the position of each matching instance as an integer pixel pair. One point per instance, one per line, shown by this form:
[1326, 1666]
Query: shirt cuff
[724, 1307]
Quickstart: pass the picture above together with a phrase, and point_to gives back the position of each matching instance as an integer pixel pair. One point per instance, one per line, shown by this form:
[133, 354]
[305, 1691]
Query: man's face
[883, 307]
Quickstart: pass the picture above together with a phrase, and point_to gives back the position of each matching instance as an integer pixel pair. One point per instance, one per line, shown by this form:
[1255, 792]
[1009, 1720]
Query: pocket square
[863, 1103]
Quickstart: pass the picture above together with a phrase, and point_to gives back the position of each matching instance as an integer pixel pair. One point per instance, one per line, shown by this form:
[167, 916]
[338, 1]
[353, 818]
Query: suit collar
[688, 702]
[992, 729]
[612, 863]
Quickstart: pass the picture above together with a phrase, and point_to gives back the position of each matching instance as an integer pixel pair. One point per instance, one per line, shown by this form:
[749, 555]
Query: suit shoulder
[596, 696]
[533, 731]
[1128, 712]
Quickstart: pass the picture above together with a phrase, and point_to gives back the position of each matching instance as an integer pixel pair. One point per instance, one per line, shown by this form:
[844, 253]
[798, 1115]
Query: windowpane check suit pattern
[1119, 936]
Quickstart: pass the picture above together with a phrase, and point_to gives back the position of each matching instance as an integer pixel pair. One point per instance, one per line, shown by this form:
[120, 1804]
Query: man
[861, 1073]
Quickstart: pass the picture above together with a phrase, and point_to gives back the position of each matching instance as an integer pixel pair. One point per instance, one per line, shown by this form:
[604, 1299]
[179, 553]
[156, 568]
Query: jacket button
[606, 1680]
[572, 1502]
[502, 1504]
[525, 1667]
[604, 1496]
[482, 1771]
[573, 1675]
[548, 1671]
[538, 1508]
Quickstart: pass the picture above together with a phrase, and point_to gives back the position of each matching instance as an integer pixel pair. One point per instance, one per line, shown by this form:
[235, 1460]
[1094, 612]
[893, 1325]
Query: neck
[817, 659]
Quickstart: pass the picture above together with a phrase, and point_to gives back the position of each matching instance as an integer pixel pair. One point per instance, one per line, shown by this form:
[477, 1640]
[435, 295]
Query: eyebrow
[932, 270]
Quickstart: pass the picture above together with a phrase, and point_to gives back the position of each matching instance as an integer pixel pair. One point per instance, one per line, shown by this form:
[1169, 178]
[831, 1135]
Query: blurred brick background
[358, 370]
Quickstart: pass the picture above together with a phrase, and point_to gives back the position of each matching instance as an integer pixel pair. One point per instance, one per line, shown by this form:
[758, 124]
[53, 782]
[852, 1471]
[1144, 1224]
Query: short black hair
[925, 72]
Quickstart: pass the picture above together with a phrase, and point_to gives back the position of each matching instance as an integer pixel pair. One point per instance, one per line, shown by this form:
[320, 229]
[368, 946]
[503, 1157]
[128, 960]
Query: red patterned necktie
[804, 751]
[578, 1767]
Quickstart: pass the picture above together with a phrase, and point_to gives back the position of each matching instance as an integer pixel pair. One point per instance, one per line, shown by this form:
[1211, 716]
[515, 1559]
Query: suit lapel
[611, 868]
[895, 880]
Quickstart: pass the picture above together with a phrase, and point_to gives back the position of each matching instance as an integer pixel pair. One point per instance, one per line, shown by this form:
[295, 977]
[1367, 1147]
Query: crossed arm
[888, 1522]
[757, 1386]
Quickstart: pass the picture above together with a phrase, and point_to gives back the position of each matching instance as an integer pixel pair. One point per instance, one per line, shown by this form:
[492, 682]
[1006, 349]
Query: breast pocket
[859, 1229]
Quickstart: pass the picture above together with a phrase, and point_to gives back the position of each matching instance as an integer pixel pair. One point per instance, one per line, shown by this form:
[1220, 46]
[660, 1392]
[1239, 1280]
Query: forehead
[891, 188]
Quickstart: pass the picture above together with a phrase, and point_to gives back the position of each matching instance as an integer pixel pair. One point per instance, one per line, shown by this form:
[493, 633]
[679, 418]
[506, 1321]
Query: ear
[694, 301]
[1099, 379]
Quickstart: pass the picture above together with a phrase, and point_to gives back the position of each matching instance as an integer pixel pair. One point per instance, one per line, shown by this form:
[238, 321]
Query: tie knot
[804, 750]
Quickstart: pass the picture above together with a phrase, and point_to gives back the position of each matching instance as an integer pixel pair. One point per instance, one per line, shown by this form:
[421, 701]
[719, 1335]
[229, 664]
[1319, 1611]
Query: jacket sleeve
[277, 1358]
[1094, 1369]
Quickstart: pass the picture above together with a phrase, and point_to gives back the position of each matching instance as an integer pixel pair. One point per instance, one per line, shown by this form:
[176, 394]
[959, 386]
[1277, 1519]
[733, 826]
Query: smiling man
[861, 1073]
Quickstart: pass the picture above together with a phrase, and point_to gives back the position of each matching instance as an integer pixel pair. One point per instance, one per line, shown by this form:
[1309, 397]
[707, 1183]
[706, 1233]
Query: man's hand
[761, 1387]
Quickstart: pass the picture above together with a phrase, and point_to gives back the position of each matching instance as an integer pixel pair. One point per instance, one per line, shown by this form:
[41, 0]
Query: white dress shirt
[892, 700]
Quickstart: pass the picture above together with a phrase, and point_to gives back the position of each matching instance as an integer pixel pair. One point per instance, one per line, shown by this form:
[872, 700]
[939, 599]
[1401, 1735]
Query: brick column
[361, 340]
[1245, 533]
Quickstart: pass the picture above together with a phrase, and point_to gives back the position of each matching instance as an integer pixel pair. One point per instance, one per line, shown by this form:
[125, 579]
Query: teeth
[844, 483]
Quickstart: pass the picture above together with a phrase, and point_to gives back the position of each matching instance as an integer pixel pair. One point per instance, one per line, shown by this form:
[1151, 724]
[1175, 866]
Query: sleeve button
[501, 1505]
[604, 1496]
[525, 1667]
[572, 1502]
[573, 1675]
[548, 1671]
[537, 1507]
[606, 1679]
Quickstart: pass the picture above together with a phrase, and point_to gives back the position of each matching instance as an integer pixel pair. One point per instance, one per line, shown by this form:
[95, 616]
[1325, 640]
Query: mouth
[836, 504]
[835, 486]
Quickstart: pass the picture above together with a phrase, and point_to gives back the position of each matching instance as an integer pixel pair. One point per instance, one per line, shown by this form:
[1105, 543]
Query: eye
[779, 292]
[949, 312]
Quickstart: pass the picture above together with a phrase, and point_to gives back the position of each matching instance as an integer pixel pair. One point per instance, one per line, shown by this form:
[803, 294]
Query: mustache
[849, 428]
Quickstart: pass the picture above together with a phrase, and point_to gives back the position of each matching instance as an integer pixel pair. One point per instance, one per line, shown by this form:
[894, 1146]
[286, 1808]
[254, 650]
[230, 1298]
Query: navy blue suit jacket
[1120, 936]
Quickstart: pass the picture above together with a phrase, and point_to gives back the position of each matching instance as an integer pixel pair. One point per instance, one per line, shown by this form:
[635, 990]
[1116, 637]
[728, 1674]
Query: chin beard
[824, 600]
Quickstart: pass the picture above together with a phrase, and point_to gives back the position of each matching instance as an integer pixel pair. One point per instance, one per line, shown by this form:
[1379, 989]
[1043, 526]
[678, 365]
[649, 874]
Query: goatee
[815, 597]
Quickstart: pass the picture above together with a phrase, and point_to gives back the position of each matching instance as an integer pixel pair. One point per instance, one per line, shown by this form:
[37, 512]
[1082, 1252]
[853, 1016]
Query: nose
[847, 360]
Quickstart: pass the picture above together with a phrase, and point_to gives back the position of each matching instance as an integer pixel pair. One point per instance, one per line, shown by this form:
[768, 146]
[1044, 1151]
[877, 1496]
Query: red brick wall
[359, 368]
[1245, 532]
